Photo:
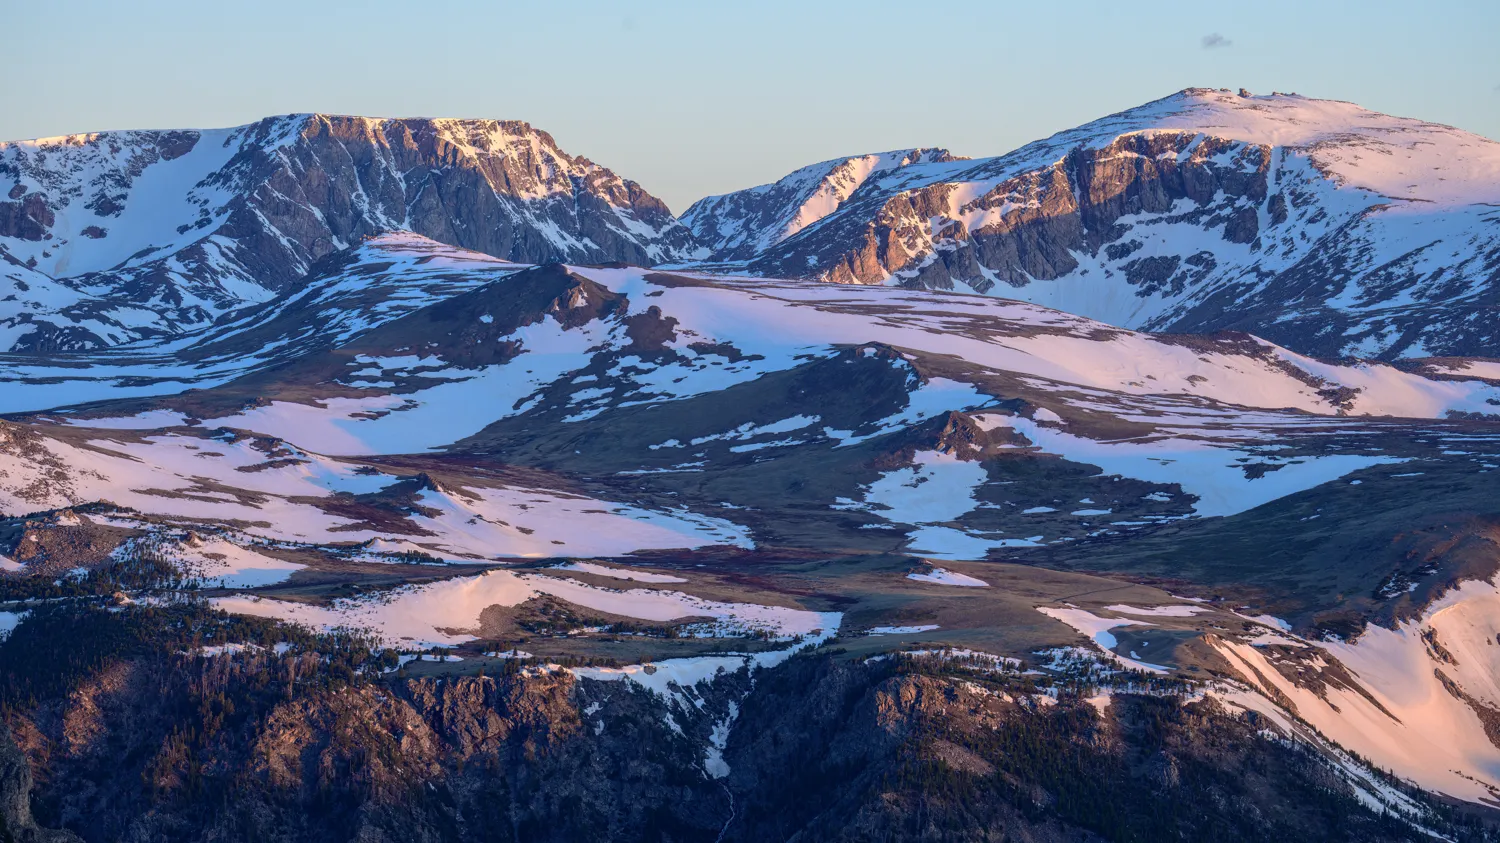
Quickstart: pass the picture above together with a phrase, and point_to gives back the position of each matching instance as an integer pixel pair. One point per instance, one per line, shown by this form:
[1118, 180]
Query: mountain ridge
[153, 233]
[1325, 227]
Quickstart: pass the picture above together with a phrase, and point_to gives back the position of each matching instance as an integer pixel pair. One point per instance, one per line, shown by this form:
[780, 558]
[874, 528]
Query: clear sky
[695, 98]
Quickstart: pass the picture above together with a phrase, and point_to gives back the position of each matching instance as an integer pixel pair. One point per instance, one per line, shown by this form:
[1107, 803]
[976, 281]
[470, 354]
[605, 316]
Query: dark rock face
[828, 751]
[498, 187]
[16, 822]
[158, 746]
[26, 219]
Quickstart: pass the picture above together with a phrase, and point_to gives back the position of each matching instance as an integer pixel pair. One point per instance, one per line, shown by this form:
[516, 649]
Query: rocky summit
[376, 480]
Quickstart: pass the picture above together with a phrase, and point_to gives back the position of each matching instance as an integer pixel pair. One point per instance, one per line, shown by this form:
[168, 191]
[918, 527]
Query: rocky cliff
[16, 823]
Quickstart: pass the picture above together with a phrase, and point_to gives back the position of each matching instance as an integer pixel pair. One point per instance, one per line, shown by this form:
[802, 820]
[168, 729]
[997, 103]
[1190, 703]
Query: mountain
[1317, 224]
[114, 237]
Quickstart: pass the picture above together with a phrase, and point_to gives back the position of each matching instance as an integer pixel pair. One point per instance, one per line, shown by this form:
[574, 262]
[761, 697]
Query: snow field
[446, 613]
[940, 576]
[218, 481]
[1403, 717]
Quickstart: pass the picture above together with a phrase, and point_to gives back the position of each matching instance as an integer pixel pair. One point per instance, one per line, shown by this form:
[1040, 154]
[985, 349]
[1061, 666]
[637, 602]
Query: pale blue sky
[694, 98]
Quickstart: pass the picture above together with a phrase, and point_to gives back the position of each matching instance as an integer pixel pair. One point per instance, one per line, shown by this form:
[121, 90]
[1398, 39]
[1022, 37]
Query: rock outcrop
[16, 823]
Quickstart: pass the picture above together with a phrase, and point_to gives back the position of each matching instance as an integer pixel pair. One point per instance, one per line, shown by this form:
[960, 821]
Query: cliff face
[497, 187]
[914, 751]
[16, 823]
[1031, 226]
[137, 733]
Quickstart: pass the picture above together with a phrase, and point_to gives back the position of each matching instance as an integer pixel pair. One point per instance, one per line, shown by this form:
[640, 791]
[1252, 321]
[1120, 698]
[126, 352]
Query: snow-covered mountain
[117, 236]
[741, 225]
[661, 336]
[1318, 224]
[1327, 228]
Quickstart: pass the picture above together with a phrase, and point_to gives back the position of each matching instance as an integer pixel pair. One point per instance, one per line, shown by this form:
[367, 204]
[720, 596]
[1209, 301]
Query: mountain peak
[1324, 225]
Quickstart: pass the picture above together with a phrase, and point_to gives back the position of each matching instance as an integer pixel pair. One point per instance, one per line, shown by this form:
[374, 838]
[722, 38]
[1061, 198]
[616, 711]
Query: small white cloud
[1214, 40]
